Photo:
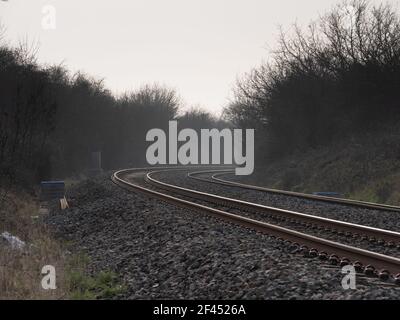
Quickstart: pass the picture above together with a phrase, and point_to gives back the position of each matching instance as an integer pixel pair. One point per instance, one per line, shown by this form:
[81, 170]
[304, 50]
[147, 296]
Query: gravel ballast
[374, 218]
[217, 189]
[164, 252]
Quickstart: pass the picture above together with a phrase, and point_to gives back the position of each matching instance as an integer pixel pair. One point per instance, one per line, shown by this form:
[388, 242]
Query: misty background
[197, 47]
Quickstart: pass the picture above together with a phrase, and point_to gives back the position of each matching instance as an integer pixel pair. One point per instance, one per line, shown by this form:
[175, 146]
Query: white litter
[13, 241]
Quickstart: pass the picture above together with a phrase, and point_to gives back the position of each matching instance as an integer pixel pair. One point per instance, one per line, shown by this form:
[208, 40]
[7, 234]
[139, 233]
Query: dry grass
[364, 168]
[20, 271]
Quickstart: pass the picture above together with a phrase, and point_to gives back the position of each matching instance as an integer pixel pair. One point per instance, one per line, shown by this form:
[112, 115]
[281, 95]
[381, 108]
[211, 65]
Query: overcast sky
[198, 47]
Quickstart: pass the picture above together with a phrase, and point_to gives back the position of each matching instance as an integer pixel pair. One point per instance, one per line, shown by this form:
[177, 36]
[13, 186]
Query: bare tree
[334, 76]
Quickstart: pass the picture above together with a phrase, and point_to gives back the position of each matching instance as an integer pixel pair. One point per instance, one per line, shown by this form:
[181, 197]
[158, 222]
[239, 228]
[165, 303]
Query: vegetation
[365, 168]
[20, 270]
[81, 286]
[50, 120]
[20, 276]
[337, 79]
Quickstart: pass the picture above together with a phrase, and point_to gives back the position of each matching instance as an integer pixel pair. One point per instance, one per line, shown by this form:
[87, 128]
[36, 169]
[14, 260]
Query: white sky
[198, 47]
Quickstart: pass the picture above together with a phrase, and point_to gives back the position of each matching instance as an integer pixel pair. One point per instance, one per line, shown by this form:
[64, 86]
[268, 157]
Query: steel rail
[388, 236]
[351, 202]
[323, 246]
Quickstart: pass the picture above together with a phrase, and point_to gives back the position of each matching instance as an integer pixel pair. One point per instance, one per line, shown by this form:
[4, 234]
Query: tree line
[336, 78]
[51, 120]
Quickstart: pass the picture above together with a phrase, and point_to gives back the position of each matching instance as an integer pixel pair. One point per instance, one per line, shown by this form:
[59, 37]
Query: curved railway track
[216, 178]
[372, 263]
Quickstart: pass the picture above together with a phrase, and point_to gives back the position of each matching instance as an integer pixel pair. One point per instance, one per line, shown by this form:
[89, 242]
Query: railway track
[217, 174]
[371, 263]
